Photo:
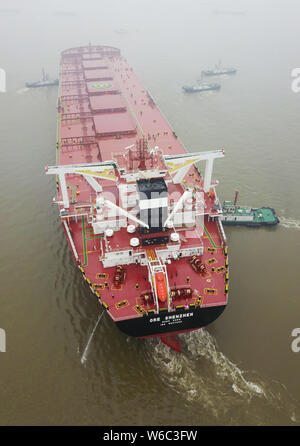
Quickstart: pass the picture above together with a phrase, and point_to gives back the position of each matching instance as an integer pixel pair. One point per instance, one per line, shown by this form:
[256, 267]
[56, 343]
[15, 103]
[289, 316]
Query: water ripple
[203, 375]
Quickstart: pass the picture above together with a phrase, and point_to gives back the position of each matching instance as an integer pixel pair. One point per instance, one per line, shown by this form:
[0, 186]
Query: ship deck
[126, 301]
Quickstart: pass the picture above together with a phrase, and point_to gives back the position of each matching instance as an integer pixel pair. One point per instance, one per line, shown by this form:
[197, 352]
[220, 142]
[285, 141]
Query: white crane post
[122, 211]
[64, 190]
[180, 164]
[187, 194]
[208, 173]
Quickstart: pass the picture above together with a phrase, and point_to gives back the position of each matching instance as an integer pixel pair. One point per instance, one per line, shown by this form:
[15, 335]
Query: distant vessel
[44, 82]
[246, 215]
[203, 86]
[218, 71]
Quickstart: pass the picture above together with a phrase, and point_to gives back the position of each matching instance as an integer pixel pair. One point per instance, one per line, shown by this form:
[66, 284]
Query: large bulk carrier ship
[142, 221]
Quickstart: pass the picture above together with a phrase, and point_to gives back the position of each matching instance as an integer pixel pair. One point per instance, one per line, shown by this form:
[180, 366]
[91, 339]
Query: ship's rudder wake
[205, 377]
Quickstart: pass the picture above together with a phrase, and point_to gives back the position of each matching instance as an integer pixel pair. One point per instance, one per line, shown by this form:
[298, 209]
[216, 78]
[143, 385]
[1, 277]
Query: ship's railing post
[222, 232]
[151, 273]
[168, 290]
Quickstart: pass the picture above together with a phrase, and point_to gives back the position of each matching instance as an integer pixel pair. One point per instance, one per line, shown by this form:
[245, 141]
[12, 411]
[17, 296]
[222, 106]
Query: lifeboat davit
[161, 287]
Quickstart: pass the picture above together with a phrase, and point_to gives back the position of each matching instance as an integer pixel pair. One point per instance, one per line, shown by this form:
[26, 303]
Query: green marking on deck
[84, 243]
[210, 238]
[95, 237]
[74, 191]
[101, 85]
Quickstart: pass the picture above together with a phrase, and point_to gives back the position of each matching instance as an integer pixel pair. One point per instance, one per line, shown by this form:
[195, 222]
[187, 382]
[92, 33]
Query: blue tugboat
[202, 86]
[219, 71]
[232, 214]
[44, 82]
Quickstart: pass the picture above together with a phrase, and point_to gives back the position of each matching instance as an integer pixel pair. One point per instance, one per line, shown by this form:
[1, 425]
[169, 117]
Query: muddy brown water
[241, 369]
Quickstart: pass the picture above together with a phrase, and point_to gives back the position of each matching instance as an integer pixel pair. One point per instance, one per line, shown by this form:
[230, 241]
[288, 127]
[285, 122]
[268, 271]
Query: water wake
[85, 352]
[204, 376]
[22, 90]
[289, 223]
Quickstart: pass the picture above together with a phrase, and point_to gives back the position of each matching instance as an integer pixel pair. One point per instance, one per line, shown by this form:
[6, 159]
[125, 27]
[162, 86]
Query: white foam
[289, 223]
[85, 352]
[202, 343]
[294, 418]
[203, 374]
[22, 90]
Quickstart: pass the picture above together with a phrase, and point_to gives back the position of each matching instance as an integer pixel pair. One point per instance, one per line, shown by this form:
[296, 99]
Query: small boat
[203, 86]
[246, 215]
[219, 71]
[44, 82]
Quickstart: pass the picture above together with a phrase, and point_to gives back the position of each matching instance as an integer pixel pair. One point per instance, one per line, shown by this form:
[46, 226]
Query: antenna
[236, 197]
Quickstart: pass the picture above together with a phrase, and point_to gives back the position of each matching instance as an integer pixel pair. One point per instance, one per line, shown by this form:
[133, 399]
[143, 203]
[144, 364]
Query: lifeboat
[161, 287]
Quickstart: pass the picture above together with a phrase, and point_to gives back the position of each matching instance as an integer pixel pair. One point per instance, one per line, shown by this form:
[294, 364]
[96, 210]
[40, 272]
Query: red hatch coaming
[73, 89]
[117, 124]
[107, 103]
[92, 56]
[102, 73]
[76, 129]
[92, 64]
[76, 107]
